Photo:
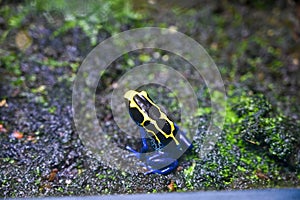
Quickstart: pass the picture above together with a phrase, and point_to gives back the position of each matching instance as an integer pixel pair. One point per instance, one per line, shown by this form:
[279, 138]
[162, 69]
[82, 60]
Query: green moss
[258, 146]
[91, 16]
[266, 139]
[100, 14]
[10, 61]
[260, 127]
[14, 18]
[188, 173]
[52, 109]
[144, 58]
[52, 63]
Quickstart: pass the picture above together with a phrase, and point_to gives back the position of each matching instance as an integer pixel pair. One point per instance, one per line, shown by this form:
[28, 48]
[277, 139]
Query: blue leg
[165, 170]
[184, 141]
[144, 145]
[161, 163]
[144, 140]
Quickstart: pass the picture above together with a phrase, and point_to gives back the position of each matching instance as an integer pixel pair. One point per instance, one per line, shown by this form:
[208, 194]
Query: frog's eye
[164, 126]
[136, 115]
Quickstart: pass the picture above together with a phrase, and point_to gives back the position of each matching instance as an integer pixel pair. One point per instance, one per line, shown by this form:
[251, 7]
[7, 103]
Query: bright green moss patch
[259, 127]
[258, 147]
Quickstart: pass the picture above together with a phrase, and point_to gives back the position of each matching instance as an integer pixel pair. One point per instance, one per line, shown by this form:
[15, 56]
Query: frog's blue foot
[165, 170]
[134, 153]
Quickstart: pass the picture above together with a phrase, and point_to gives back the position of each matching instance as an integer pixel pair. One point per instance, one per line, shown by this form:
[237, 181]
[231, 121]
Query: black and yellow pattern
[148, 115]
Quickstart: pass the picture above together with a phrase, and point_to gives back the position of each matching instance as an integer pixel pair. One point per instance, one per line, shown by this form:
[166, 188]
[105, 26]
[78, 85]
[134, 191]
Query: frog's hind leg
[185, 143]
[165, 170]
[161, 163]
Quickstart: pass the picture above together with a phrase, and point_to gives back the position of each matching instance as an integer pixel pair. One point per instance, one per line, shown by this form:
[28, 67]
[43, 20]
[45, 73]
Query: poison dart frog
[161, 137]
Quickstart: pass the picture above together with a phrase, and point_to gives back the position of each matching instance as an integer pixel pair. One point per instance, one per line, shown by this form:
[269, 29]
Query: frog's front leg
[144, 145]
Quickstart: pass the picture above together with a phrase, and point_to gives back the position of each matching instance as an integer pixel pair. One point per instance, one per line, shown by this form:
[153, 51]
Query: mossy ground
[254, 45]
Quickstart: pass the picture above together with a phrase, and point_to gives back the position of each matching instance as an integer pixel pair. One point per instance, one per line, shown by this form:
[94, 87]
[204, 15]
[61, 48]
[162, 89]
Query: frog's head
[147, 114]
[139, 106]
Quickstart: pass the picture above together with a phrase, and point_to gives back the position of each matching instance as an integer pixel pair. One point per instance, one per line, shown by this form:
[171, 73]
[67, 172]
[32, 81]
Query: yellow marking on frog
[132, 104]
